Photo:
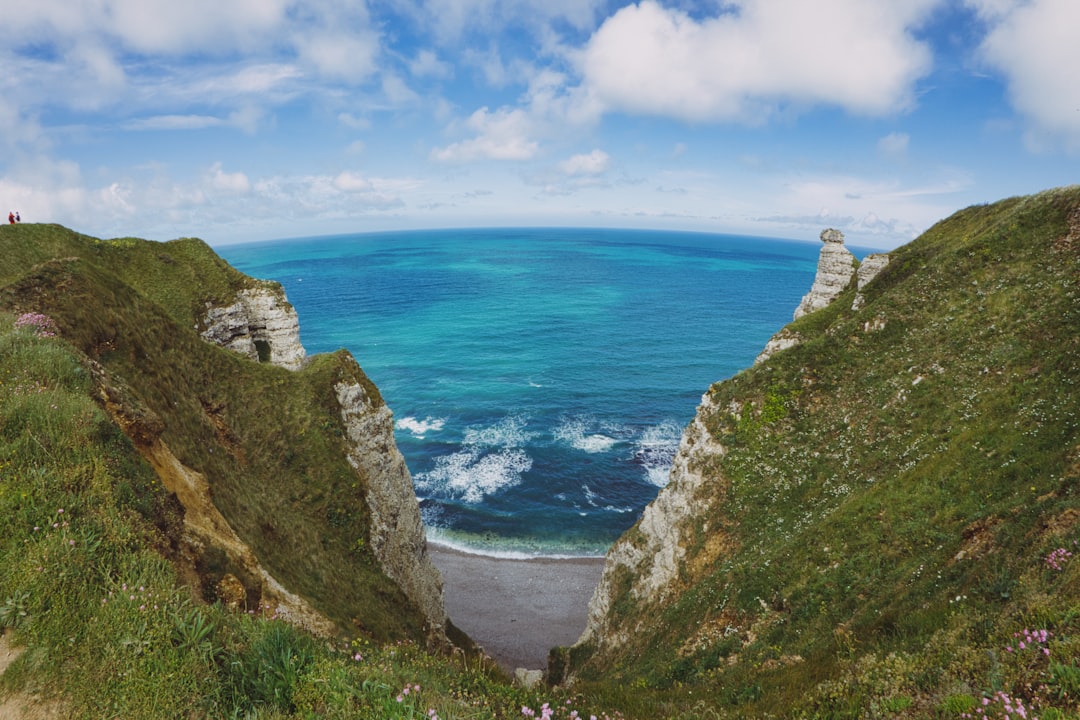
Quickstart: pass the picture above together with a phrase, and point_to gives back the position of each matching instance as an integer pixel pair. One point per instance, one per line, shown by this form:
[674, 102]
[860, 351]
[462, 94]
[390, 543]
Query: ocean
[540, 378]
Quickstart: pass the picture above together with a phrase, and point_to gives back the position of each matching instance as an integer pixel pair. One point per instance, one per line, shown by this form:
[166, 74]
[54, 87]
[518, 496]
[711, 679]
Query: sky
[243, 120]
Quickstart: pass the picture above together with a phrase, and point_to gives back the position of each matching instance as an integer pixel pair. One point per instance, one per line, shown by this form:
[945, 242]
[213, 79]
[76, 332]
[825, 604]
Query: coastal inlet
[540, 378]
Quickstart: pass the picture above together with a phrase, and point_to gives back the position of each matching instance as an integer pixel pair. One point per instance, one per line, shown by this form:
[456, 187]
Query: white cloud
[758, 57]
[353, 122]
[500, 135]
[594, 163]
[351, 182]
[339, 55]
[1034, 45]
[894, 145]
[227, 182]
[427, 64]
[174, 122]
[151, 26]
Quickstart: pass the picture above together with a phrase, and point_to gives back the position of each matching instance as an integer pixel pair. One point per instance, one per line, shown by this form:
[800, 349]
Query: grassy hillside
[898, 502]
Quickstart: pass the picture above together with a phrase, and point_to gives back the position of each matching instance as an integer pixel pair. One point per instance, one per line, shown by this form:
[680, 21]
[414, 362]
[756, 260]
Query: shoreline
[517, 609]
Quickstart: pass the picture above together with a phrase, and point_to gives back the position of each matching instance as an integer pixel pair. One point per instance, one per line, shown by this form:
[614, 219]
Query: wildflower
[42, 325]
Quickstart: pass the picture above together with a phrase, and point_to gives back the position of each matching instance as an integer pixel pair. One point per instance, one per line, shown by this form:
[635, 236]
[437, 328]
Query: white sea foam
[471, 474]
[509, 432]
[576, 432]
[506, 550]
[590, 496]
[656, 449]
[420, 428]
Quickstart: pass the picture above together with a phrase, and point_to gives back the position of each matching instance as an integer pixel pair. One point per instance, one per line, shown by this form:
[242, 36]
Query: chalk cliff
[836, 267]
[260, 324]
[397, 533]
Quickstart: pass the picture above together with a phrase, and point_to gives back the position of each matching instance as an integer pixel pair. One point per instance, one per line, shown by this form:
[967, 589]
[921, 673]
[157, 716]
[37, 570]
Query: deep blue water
[540, 379]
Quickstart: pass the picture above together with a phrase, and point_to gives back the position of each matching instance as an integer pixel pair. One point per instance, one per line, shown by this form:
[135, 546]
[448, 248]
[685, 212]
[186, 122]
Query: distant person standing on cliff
[11, 218]
[17, 218]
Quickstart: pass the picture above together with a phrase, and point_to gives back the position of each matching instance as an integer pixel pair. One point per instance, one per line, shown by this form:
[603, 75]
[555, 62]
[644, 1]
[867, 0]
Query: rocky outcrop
[397, 534]
[260, 324]
[836, 266]
[868, 270]
[780, 341]
[653, 551]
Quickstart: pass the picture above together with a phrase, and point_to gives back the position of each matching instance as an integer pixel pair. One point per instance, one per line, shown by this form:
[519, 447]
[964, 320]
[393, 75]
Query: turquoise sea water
[540, 379]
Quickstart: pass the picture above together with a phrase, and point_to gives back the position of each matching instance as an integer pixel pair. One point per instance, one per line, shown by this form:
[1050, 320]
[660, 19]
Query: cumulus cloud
[757, 57]
[339, 55]
[351, 182]
[500, 135]
[1033, 45]
[594, 163]
[427, 64]
[236, 182]
[152, 26]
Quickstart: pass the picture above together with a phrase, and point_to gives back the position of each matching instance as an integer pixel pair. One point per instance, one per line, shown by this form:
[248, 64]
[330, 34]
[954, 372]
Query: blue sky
[239, 120]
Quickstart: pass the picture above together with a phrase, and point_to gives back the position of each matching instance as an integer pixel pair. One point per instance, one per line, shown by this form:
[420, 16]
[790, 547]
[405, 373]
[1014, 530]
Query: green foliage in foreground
[898, 501]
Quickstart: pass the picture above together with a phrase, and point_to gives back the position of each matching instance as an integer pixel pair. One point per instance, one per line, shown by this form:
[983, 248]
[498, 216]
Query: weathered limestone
[836, 266]
[259, 324]
[653, 551]
[397, 534]
[868, 270]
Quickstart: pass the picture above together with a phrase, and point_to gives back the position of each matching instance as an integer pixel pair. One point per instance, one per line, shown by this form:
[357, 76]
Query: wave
[509, 432]
[471, 474]
[420, 428]
[578, 433]
[505, 549]
[655, 451]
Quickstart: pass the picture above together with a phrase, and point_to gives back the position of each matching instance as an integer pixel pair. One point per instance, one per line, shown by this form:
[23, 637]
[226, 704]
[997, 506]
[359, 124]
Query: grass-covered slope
[269, 441]
[896, 503]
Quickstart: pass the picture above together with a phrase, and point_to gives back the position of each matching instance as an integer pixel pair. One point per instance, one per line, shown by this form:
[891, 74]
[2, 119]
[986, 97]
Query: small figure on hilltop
[11, 218]
[17, 218]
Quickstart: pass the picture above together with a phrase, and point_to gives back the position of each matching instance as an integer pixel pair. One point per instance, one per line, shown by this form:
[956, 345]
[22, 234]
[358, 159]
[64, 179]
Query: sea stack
[836, 267]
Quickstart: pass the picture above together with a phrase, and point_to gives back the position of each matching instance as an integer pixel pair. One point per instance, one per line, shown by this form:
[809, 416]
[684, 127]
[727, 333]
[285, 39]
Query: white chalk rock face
[653, 554]
[868, 270]
[836, 267]
[397, 534]
[260, 324]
